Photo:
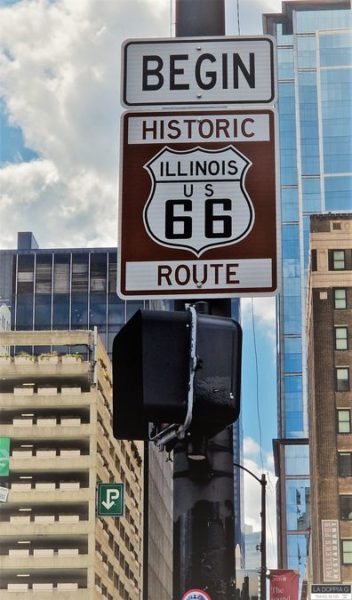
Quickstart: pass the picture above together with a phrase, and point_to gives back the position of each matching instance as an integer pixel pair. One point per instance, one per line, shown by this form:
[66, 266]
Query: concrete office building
[329, 326]
[75, 289]
[56, 410]
[315, 128]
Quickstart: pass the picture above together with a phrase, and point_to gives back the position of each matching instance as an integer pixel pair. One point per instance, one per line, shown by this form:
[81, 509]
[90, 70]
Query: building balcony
[47, 369]
[58, 593]
[49, 465]
[26, 429]
[46, 398]
[23, 528]
[44, 560]
[55, 496]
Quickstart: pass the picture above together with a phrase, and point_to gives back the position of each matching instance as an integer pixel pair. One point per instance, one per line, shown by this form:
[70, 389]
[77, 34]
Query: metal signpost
[110, 499]
[198, 213]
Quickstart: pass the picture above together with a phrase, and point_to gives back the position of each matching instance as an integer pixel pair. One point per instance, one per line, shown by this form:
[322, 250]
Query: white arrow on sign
[111, 496]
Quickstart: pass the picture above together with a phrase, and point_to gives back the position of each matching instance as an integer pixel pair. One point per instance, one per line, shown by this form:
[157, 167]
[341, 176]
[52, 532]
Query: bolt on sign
[198, 211]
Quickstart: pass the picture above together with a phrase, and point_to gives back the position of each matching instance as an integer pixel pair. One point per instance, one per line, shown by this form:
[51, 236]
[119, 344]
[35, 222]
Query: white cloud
[264, 310]
[252, 496]
[60, 80]
[60, 77]
[250, 14]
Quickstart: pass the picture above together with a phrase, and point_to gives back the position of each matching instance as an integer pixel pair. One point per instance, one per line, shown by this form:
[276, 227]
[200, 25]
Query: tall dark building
[329, 322]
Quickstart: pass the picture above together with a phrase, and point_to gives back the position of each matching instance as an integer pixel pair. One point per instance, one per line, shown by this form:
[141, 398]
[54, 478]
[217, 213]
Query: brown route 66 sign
[198, 210]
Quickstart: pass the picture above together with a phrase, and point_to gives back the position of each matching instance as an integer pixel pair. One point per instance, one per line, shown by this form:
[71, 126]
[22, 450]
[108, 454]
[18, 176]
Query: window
[43, 274]
[346, 508]
[297, 504]
[297, 459]
[341, 338]
[340, 298]
[314, 260]
[347, 552]
[337, 260]
[343, 421]
[344, 464]
[342, 379]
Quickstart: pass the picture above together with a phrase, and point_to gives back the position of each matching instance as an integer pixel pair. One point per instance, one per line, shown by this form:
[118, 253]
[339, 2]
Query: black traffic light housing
[167, 363]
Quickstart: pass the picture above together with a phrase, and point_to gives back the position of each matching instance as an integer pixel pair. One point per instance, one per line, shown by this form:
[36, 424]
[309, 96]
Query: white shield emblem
[198, 198]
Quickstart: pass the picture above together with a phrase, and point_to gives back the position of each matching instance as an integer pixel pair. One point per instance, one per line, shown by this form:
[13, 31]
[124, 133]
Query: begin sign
[198, 204]
[183, 71]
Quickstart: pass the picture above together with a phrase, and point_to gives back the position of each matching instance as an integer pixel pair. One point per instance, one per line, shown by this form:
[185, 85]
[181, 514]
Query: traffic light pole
[203, 469]
[262, 482]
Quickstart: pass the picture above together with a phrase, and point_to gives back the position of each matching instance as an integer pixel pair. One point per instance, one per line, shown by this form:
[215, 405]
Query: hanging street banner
[198, 211]
[284, 584]
[188, 71]
[4, 456]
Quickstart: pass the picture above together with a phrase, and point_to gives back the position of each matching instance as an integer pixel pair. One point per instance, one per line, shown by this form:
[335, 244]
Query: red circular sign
[195, 595]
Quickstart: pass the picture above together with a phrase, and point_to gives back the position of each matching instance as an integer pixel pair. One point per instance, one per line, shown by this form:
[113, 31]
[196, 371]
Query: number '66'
[180, 226]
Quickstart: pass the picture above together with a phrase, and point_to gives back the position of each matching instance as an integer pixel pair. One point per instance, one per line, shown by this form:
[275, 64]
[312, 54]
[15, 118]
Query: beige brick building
[330, 398]
[56, 408]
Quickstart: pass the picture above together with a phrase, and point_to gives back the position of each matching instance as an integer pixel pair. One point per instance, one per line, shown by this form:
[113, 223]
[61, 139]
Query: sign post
[198, 220]
[110, 499]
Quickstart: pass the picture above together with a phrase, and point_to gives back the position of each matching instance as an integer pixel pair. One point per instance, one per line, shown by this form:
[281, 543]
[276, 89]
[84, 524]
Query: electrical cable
[238, 18]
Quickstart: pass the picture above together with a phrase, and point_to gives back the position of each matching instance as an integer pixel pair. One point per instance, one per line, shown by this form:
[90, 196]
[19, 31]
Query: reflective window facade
[314, 52]
[66, 289]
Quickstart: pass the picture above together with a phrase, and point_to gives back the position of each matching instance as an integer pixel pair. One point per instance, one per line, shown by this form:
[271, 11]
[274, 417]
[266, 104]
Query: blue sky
[59, 155]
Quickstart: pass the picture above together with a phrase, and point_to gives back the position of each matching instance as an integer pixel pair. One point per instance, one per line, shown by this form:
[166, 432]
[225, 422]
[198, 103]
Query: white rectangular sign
[194, 71]
[163, 276]
[4, 492]
[331, 549]
[330, 592]
[207, 128]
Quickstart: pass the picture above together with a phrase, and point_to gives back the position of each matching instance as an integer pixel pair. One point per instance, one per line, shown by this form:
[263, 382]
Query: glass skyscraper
[64, 289]
[314, 52]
